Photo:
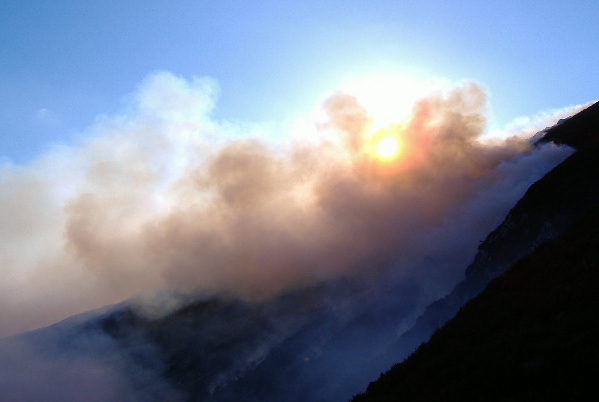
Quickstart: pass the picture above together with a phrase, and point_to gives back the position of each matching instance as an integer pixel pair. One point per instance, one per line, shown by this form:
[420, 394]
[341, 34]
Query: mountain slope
[549, 206]
[533, 334]
[577, 131]
[299, 346]
[568, 193]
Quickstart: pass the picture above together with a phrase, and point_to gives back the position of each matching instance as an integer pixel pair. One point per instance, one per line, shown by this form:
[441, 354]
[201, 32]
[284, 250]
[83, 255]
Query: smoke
[92, 367]
[163, 196]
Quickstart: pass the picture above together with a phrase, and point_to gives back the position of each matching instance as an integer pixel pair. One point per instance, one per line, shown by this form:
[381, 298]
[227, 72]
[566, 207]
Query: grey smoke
[162, 196]
[162, 202]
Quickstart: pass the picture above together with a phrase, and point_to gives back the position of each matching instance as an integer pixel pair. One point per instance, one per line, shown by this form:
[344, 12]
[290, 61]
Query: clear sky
[63, 63]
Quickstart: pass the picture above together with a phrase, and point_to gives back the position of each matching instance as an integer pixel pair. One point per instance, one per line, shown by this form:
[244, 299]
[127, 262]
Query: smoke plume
[164, 196]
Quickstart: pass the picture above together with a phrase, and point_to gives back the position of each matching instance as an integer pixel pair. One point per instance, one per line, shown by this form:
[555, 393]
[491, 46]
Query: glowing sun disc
[387, 148]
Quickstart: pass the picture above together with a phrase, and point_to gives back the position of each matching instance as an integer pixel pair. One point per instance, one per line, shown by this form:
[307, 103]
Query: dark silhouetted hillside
[532, 335]
[578, 130]
[550, 205]
[493, 363]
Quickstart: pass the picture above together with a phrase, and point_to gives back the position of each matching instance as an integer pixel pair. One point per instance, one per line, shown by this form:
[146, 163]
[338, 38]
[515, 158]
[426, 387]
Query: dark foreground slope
[532, 335]
[577, 131]
[565, 194]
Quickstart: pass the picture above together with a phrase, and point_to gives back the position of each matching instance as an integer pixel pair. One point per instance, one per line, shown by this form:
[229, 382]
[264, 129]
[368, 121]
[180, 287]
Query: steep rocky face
[532, 334]
[569, 191]
[577, 131]
[549, 206]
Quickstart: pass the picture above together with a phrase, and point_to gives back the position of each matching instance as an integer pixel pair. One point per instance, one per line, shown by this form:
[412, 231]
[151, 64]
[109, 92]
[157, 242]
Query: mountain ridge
[565, 195]
[547, 208]
[532, 334]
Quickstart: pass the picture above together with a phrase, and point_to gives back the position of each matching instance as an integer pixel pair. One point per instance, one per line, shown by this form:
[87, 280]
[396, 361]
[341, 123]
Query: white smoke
[164, 196]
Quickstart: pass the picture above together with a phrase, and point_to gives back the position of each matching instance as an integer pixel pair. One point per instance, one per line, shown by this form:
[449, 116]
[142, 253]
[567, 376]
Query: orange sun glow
[387, 147]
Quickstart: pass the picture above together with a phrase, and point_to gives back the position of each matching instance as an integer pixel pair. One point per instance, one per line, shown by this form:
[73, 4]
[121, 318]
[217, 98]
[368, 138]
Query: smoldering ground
[164, 196]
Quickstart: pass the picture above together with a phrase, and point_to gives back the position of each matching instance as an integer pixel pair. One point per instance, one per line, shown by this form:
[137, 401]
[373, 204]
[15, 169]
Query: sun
[387, 147]
[385, 144]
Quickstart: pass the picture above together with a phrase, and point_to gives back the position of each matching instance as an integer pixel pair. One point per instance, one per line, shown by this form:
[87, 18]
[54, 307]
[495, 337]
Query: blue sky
[63, 63]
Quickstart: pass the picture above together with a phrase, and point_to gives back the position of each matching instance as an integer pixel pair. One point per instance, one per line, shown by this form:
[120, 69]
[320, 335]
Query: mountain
[531, 335]
[303, 345]
[578, 131]
[319, 343]
[566, 193]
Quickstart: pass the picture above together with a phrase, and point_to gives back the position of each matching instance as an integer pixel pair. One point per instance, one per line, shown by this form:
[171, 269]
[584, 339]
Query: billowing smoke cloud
[163, 196]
